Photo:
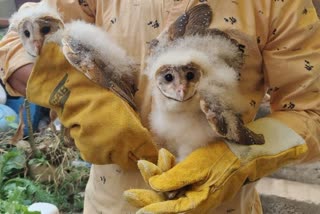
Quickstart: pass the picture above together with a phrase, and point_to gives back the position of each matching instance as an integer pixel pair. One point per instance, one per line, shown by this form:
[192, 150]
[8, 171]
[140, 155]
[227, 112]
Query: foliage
[13, 192]
[13, 207]
[39, 169]
[68, 195]
[18, 189]
[10, 164]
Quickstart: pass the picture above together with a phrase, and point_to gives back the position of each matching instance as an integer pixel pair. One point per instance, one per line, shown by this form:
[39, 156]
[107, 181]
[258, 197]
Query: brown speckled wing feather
[105, 75]
[248, 137]
[195, 20]
[227, 124]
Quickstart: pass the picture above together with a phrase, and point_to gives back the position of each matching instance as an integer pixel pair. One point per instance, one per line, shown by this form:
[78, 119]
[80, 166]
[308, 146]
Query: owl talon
[171, 195]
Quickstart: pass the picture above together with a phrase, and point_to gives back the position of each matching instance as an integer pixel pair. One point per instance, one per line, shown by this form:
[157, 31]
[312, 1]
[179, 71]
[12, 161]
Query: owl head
[178, 82]
[183, 67]
[176, 73]
[36, 25]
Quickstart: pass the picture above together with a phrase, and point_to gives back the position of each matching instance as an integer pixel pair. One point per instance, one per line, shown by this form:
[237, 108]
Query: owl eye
[45, 30]
[168, 77]
[26, 33]
[190, 76]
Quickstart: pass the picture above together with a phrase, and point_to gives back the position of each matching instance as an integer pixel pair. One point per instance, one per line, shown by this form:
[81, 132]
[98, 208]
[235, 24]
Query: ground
[294, 189]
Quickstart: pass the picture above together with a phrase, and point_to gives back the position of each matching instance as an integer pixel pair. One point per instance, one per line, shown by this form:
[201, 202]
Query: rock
[285, 197]
[44, 208]
[305, 173]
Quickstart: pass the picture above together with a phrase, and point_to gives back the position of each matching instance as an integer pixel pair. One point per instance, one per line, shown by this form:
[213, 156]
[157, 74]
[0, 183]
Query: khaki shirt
[281, 44]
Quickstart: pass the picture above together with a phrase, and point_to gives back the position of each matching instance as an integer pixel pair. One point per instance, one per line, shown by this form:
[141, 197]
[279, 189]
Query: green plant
[20, 188]
[11, 164]
[13, 207]
[12, 196]
[70, 191]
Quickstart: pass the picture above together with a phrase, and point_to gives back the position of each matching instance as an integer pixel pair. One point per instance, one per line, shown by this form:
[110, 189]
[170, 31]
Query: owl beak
[38, 45]
[181, 92]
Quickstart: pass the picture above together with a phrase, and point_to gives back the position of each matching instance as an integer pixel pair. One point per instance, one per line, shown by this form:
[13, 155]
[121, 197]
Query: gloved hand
[215, 173]
[104, 127]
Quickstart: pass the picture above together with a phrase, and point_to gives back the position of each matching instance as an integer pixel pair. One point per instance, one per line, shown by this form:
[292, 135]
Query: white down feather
[41, 9]
[183, 127]
[98, 40]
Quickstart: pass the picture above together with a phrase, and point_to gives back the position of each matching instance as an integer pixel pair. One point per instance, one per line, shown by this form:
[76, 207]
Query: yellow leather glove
[104, 127]
[215, 173]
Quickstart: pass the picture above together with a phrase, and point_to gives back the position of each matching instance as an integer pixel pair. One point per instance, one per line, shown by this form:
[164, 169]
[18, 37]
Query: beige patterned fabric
[281, 42]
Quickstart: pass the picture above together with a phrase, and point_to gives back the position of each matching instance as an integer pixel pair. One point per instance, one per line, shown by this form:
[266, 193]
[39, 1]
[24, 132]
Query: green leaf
[15, 159]
[31, 191]
[10, 163]
[14, 207]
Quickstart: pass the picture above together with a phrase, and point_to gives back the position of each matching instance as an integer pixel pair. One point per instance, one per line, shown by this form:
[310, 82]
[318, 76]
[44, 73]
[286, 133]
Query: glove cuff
[279, 138]
[282, 146]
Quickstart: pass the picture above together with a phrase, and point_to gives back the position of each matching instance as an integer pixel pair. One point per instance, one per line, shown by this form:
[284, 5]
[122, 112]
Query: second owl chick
[87, 47]
[35, 25]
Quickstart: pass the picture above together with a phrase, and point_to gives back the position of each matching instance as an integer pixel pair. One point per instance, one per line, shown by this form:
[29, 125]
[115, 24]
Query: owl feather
[87, 47]
[216, 99]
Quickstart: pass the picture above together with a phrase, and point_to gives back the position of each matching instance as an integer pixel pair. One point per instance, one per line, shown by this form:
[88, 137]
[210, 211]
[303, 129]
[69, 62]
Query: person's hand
[18, 80]
[105, 128]
[215, 173]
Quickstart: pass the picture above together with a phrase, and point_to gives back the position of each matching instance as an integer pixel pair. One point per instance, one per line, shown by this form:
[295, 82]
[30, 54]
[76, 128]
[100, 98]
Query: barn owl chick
[36, 25]
[196, 99]
[87, 47]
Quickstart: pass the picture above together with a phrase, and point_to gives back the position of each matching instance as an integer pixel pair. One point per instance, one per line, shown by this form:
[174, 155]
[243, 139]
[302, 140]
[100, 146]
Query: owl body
[179, 127]
[206, 67]
[87, 47]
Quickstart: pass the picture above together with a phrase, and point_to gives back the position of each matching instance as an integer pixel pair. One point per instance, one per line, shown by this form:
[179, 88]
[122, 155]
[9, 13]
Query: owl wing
[88, 62]
[195, 20]
[227, 124]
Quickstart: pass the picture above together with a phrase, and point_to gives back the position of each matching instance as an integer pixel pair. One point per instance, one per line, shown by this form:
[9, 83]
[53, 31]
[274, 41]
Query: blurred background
[293, 189]
[7, 7]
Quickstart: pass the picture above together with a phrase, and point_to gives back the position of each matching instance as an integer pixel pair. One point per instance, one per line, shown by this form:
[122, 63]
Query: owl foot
[171, 195]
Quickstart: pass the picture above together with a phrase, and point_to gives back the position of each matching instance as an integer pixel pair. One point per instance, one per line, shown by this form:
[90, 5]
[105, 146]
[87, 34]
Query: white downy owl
[87, 47]
[196, 99]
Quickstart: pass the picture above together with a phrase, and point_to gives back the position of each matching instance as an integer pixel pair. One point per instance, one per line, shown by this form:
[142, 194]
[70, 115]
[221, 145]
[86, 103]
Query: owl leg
[175, 194]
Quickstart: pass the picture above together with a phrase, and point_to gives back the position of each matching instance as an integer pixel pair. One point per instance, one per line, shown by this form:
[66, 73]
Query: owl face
[34, 33]
[178, 82]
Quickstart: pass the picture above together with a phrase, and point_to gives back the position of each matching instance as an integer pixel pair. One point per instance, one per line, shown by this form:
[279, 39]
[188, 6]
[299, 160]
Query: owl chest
[181, 133]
